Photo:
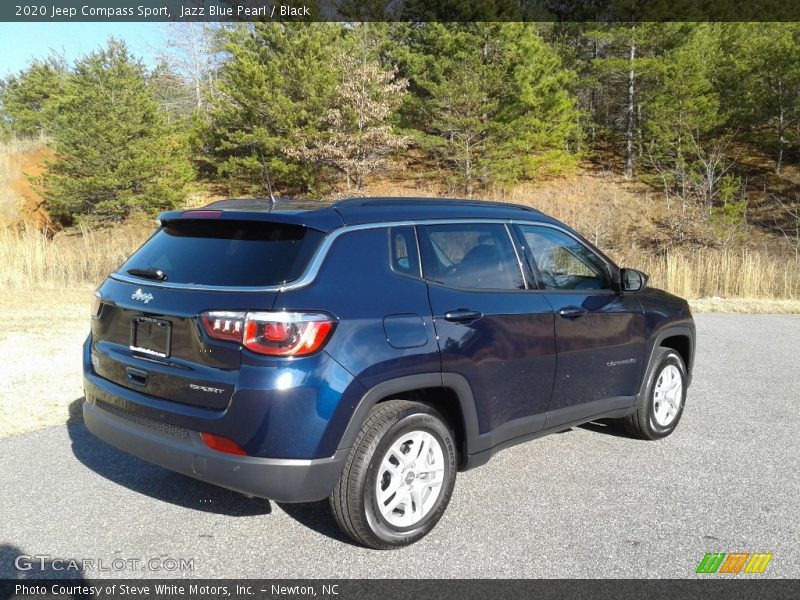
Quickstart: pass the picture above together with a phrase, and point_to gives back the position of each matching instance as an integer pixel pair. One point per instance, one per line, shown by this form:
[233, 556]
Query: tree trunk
[593, 97]
[468, 169]
[681, 167]
[639, 136]
[197, 75]
[630, 115]
[781, 140]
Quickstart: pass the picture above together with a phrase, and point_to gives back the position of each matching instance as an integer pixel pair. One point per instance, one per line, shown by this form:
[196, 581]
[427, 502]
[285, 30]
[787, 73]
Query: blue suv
[366, 351]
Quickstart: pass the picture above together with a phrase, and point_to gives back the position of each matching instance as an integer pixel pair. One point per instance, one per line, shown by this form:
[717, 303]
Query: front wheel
[399, 477]
[658, 412]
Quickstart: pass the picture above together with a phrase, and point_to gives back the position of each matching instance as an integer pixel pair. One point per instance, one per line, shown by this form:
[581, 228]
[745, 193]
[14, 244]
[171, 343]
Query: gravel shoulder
[40, 354]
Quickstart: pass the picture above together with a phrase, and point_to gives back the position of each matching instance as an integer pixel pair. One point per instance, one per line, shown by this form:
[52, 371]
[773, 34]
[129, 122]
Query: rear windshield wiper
[156, 274]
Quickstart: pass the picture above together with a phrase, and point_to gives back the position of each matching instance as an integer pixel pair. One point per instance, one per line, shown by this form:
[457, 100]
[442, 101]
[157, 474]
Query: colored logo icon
[734, 562]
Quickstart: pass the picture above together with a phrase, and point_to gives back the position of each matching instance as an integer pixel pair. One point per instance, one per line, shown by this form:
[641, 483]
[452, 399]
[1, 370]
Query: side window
[563, 262]
[403, 251]
[472, 256]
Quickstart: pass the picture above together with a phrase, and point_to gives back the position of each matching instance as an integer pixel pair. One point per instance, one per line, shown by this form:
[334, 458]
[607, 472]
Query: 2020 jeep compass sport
[367, 350]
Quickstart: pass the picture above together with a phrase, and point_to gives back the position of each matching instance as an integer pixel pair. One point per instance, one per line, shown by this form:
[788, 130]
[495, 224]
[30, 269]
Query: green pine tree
[491, 102]
[539, 129]
[27, 98]
[456, 89]
[270, 99]
[113, 151]
[764, 80]
[358, 135]
[683, 109]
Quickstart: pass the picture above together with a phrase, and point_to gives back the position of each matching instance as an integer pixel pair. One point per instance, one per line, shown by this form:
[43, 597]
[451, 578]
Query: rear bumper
[182, 451]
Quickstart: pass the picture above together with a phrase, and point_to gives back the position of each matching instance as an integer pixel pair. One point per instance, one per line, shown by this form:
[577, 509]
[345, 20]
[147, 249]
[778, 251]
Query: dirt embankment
[20, 202]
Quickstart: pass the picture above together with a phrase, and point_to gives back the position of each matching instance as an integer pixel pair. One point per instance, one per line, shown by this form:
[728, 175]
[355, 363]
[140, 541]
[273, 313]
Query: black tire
[642, 422]
[354, 501]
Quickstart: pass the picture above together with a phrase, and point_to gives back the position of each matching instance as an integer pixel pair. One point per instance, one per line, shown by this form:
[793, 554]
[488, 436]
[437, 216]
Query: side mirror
[632, 280]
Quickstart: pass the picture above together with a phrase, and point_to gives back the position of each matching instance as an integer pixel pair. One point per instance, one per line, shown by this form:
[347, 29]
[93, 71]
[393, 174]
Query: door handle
[572, 312]
[461, 315]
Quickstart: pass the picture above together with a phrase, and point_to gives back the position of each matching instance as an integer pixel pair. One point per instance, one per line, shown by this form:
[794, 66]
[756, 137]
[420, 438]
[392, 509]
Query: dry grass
[727, 274]
[612, 213]
[28, 258]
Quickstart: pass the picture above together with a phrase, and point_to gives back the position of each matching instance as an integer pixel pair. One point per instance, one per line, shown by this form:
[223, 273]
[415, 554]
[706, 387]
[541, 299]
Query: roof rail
[411, 200]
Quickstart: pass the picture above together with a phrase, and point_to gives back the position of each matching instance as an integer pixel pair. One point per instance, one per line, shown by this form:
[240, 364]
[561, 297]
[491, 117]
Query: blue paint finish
[357, 285]
[600, 354]
[520, 358]
[280, 409]
[288, 411]
[405, 331]
[508, 355]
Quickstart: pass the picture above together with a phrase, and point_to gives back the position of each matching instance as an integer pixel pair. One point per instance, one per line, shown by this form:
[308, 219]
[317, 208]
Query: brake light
[271, 333]
[200, 214]
[222, 444]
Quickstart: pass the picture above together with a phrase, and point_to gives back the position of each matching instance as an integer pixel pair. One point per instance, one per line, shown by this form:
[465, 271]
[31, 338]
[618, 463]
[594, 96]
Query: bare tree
[694, 178]
[630, 111]
[193, 53]
[789, 223]
[358, 138]
[712, 165]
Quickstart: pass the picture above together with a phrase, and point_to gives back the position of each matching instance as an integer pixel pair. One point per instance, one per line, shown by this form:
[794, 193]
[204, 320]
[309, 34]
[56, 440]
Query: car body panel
[601, 353]
[517, 372]
[508, 354]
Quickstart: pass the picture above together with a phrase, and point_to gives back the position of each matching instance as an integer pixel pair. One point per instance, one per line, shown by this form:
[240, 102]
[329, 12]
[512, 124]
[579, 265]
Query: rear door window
[470, 256]
[226, 252]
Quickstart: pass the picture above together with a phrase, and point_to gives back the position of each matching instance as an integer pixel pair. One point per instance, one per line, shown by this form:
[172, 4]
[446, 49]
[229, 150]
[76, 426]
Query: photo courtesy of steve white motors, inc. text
[78, 590]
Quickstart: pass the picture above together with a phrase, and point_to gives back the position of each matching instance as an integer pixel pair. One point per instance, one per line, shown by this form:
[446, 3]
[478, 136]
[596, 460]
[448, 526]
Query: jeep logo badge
[141, 296]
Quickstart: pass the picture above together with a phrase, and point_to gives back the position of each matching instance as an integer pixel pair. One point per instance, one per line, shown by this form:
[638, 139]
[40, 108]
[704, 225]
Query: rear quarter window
[404, 255]
[227, 252]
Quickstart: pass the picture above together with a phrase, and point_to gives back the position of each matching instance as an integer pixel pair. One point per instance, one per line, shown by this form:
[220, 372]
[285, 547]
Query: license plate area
[151, 336]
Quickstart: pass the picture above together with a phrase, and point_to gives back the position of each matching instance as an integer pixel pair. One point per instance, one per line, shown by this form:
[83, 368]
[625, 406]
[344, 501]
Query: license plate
[151, 336]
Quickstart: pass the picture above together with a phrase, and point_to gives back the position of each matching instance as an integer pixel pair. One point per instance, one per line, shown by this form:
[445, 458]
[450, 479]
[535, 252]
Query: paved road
[585, 503]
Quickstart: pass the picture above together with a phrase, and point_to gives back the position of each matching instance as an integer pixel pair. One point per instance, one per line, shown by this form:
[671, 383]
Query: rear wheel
[399, 477]
[658, 412]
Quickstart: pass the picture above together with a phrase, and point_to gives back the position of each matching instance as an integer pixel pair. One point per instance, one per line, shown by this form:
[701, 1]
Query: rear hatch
[146, 331]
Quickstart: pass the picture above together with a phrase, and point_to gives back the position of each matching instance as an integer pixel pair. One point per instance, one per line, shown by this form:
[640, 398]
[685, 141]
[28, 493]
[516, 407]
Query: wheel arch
[450, 393]
[679, 338]
[682, 343]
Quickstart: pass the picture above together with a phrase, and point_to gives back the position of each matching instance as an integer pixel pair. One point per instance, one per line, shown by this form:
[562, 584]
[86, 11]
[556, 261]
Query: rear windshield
[226, 253]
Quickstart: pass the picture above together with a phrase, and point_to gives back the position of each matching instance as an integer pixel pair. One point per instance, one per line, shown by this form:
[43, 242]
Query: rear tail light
[271, 333]
[222, 444]
[224, 325]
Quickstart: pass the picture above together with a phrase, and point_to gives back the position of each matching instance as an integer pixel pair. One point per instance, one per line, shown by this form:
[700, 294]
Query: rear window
[227, 253]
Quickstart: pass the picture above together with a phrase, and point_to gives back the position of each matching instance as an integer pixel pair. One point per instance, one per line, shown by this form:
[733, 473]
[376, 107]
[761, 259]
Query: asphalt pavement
[589, 502]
